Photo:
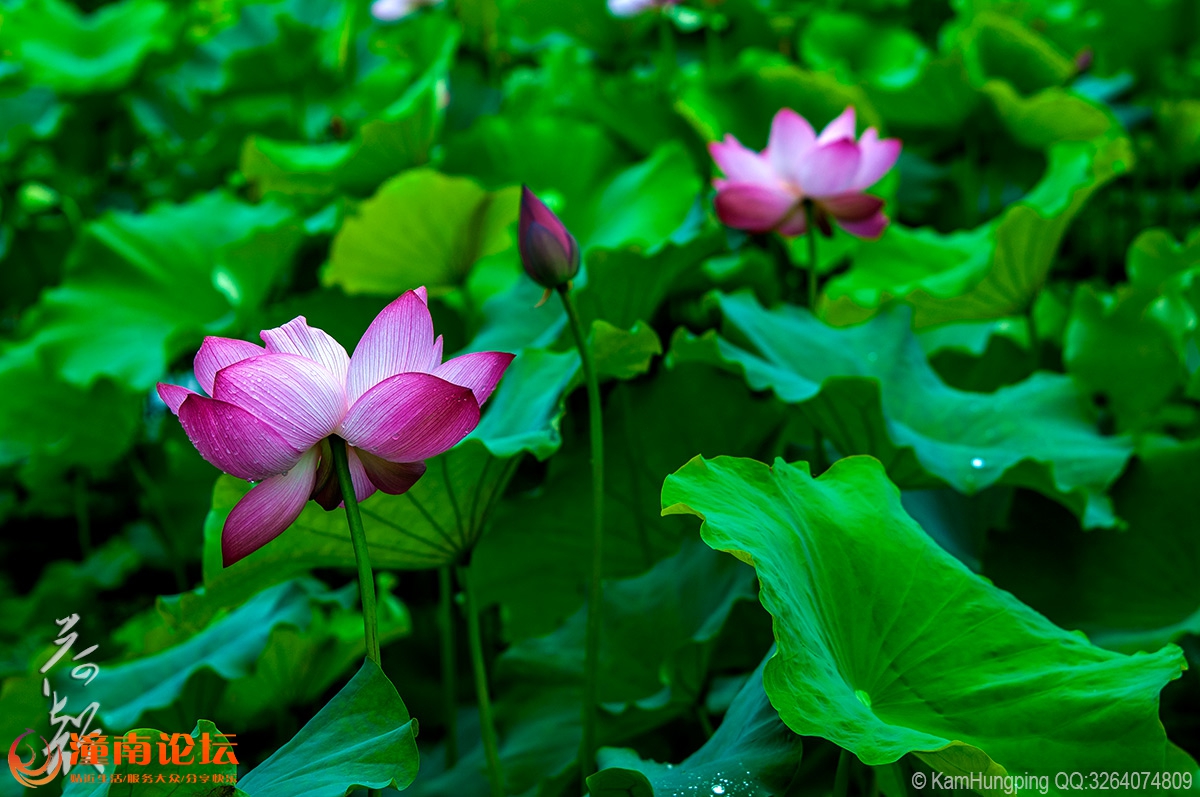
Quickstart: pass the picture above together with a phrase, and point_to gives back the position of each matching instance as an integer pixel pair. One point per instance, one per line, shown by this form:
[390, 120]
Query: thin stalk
[841, 780]
[449, 664]
[358, 538]
[487, 725]
[818, 461]
[591, 672]
[347, 56]
[666, 47]
[712, 45]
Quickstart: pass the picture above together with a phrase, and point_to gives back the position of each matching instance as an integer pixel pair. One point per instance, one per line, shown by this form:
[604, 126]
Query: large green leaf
[363, 737]
[660, 631]
[420, 228]
[141, 289]
[1137, 590]
[926, 658]
[855, 47]
[872, 391]
[73, 53]
[48, 427]
[992, 271]
[26, 114]
[1131, 346]
[752, 753]
[535, 561]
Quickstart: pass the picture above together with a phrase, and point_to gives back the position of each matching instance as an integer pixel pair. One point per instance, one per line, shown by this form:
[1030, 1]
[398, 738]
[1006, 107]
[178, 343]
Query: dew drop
[977, 463]
[872, 356]
[718, 789]
[863, 697]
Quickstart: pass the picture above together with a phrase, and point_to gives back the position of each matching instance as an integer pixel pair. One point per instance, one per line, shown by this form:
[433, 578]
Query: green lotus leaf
[928, 658]
[883, 55]
[992, 271]
[75, 53]
[141, 289]
[535, 558]
[871, 390]
[367, 717]
[998, 46]
[27, 114]
[661, 629]
[1048, 117]
[1132, 591]
[420, 228]
[744, 100]
[752, 753]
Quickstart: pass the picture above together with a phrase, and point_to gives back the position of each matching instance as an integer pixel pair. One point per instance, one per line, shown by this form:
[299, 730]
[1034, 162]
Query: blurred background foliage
[1019, 350]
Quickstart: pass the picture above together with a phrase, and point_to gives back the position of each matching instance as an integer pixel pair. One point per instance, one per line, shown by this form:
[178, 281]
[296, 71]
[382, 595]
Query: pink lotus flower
[631, 8]
[389, 10]
[272, 409]
[766, 191]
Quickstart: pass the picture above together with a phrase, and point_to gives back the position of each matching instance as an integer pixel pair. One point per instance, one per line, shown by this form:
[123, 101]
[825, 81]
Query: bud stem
[587, 755]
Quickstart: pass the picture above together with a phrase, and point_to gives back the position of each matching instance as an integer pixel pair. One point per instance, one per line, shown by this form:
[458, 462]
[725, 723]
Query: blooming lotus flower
[390, 10]
[549, 253]
[766, 191]
[631, 8]
[271, 409]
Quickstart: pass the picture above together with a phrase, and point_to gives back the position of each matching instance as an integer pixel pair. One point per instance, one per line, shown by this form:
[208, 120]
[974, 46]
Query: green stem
[449, 664]
[358, 537]
[592, 645]
[841, 780]
[666, 46]
[487, 724]
[347, 57]
[818, 461]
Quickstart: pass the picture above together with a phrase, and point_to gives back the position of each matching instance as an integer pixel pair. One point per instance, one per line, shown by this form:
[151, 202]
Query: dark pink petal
[791, 139]
[235, 441]
[740, 164]
[267, 510]
[840, 128]
[216, 353]
[794, 224]
[173, 395]
[829, 169]
[749, 206]
[876, 157]
[410, 417]
[296, 396]
[479, 370]
[534, 211]
[399, 340]
[872, 227]
[394, 478]
[852, 206]
[364, 488]
[297, 337]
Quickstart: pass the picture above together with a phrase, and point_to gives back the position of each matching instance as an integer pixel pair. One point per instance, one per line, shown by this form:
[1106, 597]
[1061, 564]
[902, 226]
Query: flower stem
[818, 461]
[487, 724]
[666, 45]
[841, 779]
[591, 664]
[449, 664]
[358, 538]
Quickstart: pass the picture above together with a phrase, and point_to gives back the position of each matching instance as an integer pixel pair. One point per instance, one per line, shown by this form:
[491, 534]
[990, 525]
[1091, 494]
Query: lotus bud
[549, 252]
